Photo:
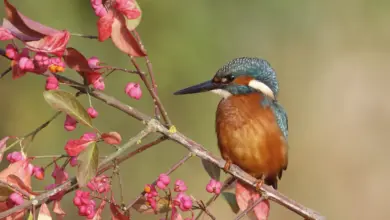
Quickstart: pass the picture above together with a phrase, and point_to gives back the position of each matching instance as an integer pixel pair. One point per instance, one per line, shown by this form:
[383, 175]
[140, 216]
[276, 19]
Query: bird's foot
[260, 182]
[226, 168]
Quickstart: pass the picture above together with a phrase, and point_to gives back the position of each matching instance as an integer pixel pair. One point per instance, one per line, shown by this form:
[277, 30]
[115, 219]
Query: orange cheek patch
[243, 80]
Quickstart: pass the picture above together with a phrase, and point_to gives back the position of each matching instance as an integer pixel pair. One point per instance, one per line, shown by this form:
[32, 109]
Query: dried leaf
[19, 169]
[123, 39]
[76, 61]
[143, 207]
[133, 23]
[44, 213]
[112, 137]
[54, 43]
[262, 210]
[231, 200]
[66, 102]
[88, 164]
[104, 26]
[212, 169]
[116, 214]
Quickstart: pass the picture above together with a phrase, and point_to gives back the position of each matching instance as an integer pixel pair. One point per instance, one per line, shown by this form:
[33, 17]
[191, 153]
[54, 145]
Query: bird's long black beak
[201, 87]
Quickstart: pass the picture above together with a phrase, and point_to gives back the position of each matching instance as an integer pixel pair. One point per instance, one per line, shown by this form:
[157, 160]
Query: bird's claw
[259, 183]
[226, 168]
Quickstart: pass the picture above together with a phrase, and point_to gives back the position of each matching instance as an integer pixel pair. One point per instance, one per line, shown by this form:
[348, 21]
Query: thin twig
[155, 98]
[171, 170]
[5, 72]
[250, 208]
[42, 126]
[15, 188]
[84, 36]
[150, 70]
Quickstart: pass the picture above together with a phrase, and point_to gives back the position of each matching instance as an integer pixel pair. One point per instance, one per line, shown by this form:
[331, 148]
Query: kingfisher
[251, 125]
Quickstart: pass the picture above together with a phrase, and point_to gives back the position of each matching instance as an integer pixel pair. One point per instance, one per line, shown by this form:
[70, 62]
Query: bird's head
[240, 76]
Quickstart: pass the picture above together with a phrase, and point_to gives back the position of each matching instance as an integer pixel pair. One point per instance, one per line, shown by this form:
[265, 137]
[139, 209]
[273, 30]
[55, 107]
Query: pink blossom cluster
[214, 186]
[86, 205]
[35, 171]
[181, 200]
[100, 184]
[133, 90]
[39, 63]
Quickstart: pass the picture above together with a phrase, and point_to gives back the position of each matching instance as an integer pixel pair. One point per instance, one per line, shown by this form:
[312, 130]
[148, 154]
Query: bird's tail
[246, 197]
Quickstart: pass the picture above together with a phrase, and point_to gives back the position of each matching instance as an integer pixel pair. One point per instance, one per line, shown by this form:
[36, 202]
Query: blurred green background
[332, 61]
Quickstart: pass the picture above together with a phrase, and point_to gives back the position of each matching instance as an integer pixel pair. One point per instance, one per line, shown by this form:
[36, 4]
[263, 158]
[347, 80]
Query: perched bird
[251, 125]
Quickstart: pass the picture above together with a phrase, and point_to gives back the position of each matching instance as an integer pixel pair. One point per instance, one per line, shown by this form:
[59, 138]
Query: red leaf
[123, 39]
[60, 213]
[76, 61]
[115, 213]
[54, 43]
[74, 147]
[98, 215]
[246, 196]
[19, 21]
[5, 34]
[104, 25]
[3, 146]
[112, 137]
[44, 213]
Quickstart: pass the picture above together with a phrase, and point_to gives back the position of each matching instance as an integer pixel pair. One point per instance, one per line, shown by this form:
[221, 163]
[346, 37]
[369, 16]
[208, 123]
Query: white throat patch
[261, 87]
[225, 94]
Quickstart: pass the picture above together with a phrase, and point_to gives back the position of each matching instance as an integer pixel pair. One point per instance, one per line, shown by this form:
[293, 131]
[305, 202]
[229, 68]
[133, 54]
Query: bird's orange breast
[249, 136]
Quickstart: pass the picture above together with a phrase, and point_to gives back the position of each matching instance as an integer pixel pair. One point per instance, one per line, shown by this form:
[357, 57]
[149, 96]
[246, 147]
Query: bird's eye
[227, 79]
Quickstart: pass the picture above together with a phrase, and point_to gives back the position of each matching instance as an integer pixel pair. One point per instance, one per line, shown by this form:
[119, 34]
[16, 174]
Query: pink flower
[11, 51]
[94, 62]
[15, 156]
[14, 199]
[163, 181]
[98, 7]
[89, 136]
[99, 184]
[180, 186]
[39, 173]
[73, 161]
[92, 112]
[51, 83]
[133, 90]
[214, 187]
[26, 64]
[86, 205]
[70, 123]
[150, 191]
[183, 201]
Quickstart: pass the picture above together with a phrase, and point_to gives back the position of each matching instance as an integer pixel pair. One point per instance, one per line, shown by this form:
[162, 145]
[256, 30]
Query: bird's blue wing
[281, 118]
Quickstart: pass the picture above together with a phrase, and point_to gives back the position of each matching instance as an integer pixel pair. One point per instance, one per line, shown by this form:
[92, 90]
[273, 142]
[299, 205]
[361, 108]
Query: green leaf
[212, 169]
[5, 191]
[88, 164]
[231, 200]
[133, 23]
[67, 102]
